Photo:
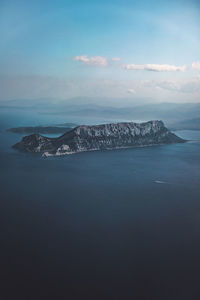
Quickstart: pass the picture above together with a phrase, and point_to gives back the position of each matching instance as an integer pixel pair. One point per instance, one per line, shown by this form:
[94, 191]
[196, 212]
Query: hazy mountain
[191, 124]
[85, 107]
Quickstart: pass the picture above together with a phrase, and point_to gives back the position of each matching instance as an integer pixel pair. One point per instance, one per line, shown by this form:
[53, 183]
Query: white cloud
[196, 65]
[115, 58]
[131, 91]
[94, 61]
[168, 85]
[189, 86]
[192, 86]
[154, 67]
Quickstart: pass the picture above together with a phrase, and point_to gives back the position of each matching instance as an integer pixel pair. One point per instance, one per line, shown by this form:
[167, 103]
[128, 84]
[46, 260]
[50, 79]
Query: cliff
[100, 137]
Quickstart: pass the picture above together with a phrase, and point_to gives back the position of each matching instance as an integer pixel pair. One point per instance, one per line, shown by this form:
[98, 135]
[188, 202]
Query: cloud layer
[191, 85]
[95, 60]
[103, 61]
[115, 58]
[131, 91]
[196, 65]
[154, 67]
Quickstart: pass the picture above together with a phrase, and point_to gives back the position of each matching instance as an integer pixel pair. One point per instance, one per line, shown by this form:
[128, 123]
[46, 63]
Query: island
[61, 128]
[100, 137]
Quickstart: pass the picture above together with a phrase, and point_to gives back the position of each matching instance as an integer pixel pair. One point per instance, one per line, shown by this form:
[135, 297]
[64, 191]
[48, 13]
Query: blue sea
[110, 225]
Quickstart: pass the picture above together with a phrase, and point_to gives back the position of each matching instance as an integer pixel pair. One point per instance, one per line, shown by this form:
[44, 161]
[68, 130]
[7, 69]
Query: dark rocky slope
[100, 137]
[60, 129]
[40, 129]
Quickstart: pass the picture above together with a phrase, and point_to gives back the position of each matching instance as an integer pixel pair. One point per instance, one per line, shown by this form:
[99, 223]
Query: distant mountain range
[62, 128]
[192, 124]
[175, 115]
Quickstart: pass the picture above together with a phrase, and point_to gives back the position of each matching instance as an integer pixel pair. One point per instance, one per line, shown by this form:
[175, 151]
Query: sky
[147, 49]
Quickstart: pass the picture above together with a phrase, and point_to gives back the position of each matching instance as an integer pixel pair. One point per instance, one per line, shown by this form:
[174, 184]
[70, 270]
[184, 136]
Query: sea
[109, 225]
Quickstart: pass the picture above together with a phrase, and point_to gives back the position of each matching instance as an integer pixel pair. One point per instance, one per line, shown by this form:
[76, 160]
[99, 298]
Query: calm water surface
[121, 224]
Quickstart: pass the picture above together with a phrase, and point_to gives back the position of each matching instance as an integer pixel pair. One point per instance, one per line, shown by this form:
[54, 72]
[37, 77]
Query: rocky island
[100, 137]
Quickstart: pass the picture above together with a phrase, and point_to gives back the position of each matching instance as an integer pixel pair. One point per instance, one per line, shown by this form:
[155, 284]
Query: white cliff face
[120, 129]
[100, 137]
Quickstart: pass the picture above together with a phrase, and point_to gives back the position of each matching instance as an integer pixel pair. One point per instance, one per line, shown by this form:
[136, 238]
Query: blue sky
[64, 49]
